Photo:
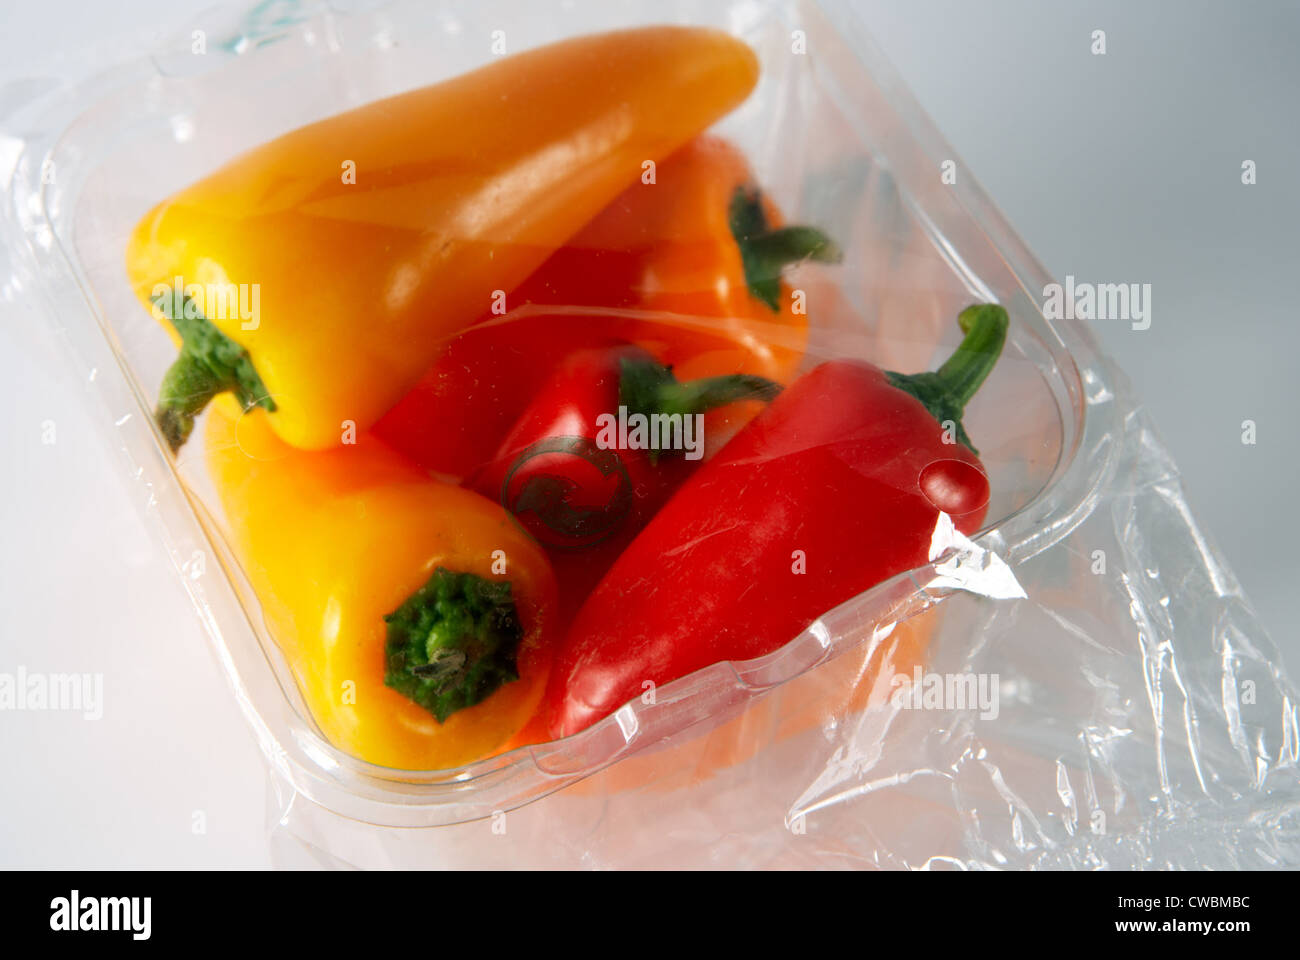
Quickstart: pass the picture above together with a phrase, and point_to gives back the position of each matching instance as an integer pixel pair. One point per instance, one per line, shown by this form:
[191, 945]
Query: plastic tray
[836, 141]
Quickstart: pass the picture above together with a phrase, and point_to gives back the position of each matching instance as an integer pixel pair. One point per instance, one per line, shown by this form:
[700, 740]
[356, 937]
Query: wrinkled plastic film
[1117, 739]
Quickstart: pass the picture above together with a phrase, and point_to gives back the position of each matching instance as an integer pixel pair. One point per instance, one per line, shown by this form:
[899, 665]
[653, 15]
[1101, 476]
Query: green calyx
[209, 363]
[453, 642]
[765, 252]
[649, 388]
[946, 391]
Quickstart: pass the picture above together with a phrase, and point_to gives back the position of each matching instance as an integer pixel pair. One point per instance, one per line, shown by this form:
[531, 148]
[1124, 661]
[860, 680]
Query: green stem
[453, 642]
[765, 252]
[650, 388]
[946, 391]
[700, 396]
[187, 387]
[209, 363]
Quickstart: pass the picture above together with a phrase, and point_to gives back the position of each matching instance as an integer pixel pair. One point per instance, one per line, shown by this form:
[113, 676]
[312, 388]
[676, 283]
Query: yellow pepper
[322, 273]
[416, 616]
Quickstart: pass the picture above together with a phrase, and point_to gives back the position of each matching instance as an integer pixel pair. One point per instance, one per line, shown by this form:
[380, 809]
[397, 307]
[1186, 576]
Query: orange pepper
[382, 587]
[698, 255]
[353, 249]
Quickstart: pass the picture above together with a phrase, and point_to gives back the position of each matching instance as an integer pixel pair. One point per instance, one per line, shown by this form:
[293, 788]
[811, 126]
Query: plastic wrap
[1079, 685]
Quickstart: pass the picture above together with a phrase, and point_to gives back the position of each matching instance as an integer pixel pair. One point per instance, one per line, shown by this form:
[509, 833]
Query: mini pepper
[370, 238]
[415, 615]
[566, 478]
[836, 486]
[699, 255]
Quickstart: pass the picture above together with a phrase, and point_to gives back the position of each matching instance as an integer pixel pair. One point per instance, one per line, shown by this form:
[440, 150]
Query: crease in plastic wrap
[1082, 685]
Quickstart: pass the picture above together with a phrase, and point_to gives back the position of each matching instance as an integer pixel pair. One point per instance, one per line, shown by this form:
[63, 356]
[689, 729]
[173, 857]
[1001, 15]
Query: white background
[1122, 168]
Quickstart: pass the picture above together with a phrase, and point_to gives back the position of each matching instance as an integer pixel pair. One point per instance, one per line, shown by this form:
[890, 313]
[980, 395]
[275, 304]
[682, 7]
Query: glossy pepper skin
[849, 465]
[356, 557]
[667, 257]
[563, 475]
[459, 190]
[454, 420]
[698, 254]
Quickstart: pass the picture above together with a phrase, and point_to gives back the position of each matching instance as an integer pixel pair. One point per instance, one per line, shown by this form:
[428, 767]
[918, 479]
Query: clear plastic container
[724, 766]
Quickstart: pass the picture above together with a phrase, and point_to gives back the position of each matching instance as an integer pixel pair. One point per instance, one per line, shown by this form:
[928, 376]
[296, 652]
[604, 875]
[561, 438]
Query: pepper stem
[946, 391]
[765, 252]
[453, 642]
[187, 387]
[209, 363]
[649, 388]
[700, 396]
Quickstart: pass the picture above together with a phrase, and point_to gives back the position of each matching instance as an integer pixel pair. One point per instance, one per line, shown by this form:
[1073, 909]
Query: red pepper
[568, 478]
[836, 486]
[453, 420]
